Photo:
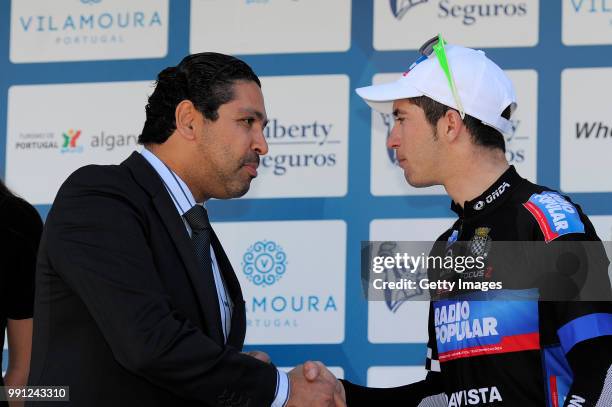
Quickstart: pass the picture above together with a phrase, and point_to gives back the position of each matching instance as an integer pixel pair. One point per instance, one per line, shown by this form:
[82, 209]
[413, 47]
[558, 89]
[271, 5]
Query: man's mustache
[252, 158]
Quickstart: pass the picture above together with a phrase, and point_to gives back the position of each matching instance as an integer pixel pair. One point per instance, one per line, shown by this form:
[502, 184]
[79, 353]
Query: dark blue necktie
[197, 218]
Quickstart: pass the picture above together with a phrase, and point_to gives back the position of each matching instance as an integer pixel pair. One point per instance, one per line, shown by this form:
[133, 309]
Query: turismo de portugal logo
[264, 263]
[69, 144]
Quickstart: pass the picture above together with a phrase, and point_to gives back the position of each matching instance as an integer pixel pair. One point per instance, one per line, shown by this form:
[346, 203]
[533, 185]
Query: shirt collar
[492, 197]
[179, 191]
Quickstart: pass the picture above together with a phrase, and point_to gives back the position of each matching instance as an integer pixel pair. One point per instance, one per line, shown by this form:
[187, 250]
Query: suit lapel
[203, 283]
[238, 324]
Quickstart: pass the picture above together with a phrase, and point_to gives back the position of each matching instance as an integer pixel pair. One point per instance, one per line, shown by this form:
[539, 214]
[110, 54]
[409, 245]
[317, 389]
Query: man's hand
[313, 370]
[320, 389]
[259, 355]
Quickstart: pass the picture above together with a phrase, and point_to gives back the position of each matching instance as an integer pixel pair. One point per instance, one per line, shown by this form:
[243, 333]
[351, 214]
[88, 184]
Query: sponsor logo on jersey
[492, 196]
[452, 239]
[471, 328]
[473, 397]
[453, 323]
[576, 401]
[481, 242]
[555, 215]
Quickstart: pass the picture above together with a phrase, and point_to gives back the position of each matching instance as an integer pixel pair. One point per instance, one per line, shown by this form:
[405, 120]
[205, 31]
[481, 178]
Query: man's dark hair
[206, 79]
[482, 134]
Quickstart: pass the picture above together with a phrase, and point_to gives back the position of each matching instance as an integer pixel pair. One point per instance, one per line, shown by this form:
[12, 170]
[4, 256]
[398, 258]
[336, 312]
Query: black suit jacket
[123, 315]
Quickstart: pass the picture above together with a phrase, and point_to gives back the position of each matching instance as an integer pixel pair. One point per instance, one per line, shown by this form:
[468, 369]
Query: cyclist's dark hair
[482, 134]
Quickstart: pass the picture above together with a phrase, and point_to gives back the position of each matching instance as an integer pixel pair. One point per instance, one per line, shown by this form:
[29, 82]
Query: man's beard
[235, 187]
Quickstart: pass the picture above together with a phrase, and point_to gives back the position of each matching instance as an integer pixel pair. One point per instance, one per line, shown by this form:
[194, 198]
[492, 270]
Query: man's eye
[248, 121]
[399, 119]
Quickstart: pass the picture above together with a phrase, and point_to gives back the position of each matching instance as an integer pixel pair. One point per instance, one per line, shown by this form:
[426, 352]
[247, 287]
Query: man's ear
[185, 117]
[452, 125]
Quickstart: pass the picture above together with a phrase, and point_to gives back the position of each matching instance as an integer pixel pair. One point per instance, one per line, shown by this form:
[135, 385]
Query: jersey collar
[492, 197]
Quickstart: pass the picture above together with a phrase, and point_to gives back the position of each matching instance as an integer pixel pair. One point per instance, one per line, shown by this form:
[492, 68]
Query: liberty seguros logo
[299, 145]
[467, 13]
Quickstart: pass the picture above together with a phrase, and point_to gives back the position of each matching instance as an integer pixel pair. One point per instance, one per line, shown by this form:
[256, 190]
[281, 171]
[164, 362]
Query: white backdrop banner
[586, 130]
[406, 24]
[293, 281]
[74, 125]
[85, 30]
[270, 26]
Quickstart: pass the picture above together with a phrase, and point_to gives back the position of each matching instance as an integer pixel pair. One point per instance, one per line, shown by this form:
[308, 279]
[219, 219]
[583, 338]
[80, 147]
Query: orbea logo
[70, 142]
[264, 263]
[401, 7]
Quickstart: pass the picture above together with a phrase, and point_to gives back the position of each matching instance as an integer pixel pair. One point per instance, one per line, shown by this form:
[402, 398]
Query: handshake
[311, 384]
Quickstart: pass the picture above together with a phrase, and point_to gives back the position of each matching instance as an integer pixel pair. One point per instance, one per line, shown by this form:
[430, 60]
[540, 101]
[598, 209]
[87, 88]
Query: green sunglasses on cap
[436, 45]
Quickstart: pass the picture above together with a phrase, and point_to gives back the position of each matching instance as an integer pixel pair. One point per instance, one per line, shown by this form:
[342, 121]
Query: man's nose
[393, 139]
[260, 145]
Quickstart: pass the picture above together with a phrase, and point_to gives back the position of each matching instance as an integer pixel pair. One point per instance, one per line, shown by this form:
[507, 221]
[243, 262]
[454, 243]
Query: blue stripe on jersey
[584, 328]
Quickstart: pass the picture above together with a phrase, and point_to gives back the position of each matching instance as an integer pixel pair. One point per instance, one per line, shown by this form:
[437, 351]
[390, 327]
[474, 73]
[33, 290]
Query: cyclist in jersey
[451, 109]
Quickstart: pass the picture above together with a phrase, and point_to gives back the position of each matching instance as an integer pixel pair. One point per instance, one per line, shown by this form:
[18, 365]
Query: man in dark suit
[136, 301]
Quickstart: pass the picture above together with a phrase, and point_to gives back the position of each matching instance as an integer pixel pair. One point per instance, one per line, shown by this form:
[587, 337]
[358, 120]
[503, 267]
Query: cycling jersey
[515, 349]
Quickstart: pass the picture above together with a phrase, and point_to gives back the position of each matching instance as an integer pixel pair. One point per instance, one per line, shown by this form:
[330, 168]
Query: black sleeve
[581, 310]
[22, 228]
[430, 390]
[584, 330]
[96, 241]
[408, 395]
[591, 363]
